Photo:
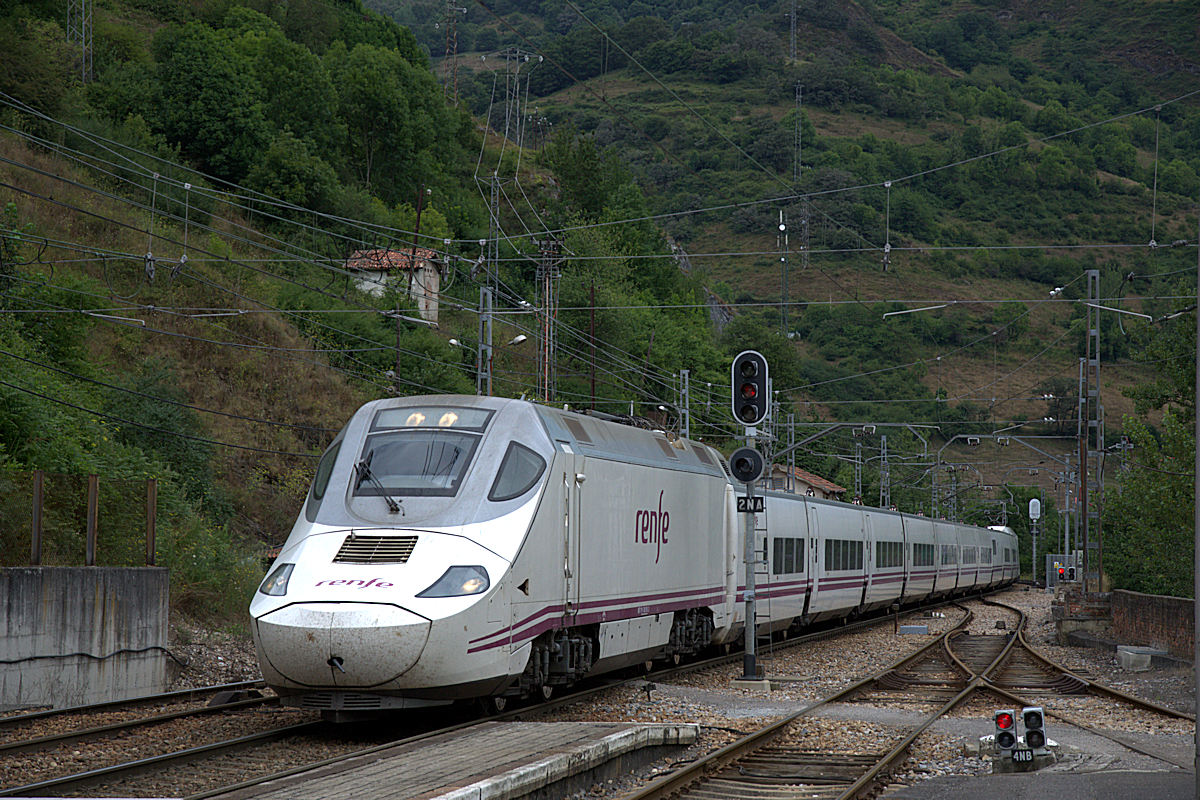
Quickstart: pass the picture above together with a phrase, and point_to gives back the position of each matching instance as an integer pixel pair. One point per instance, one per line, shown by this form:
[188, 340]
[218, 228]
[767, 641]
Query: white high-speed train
[456, 547]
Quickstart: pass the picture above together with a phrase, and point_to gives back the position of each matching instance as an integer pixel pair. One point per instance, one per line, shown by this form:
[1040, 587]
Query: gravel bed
[818, 669]
[65, 723]
[209, 657]
[807, 672]
[20, 769]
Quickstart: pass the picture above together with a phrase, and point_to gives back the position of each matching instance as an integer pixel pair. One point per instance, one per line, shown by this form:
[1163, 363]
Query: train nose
[342, 644]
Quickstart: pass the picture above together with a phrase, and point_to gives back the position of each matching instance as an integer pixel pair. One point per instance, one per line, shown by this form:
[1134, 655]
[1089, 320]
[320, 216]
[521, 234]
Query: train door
[573, 478]
[869, 568]
[814, 535]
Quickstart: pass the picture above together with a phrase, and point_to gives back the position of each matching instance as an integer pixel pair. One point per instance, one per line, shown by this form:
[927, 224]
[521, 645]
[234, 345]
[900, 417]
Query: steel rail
[81, 779]
[1187, 764]
[148, 764]
[697, 770]
[166, 697]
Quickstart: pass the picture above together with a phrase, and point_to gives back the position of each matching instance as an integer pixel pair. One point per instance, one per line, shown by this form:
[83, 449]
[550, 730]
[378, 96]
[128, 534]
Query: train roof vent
[665, 446]
[357, 549]
[577, 430]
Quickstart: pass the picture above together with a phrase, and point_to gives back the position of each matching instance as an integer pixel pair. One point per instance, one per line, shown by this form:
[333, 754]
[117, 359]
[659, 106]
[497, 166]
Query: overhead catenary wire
[178, 434]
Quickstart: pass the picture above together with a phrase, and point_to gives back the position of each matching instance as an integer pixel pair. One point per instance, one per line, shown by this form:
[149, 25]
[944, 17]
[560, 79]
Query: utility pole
[549, 270]
[483, 363]
[685, 403]
[783, 262]
[79, 29]
[592, 339]
[857, 467]
[792, 49]
[1091, 442]
[450, 62]
[885, 475]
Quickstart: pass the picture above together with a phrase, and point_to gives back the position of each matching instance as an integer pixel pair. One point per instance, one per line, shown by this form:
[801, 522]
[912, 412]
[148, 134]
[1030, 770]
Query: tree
[394, 117]
[1148, 518]
[296, 89]
[210, 104]
[290, 171]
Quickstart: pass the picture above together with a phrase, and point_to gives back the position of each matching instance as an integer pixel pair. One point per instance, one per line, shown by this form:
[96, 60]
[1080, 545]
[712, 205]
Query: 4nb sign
[756, 505]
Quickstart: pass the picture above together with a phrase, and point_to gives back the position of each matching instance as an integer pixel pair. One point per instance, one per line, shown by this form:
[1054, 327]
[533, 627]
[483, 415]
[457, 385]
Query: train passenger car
[886, 557]
[456, 547]
[922, 564]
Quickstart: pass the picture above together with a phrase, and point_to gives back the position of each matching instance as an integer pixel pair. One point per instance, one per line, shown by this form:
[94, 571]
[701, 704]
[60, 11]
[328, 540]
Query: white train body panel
[455, 547]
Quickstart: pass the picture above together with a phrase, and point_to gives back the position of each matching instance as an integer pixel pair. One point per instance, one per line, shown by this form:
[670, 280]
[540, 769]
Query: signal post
[750, 403]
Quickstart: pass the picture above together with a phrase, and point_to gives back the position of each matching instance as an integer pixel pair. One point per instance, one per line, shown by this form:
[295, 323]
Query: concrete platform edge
[531, 777]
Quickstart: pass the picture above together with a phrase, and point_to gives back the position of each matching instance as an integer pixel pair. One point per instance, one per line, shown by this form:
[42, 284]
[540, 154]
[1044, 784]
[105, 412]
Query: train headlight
[459, 581]
[277, 582]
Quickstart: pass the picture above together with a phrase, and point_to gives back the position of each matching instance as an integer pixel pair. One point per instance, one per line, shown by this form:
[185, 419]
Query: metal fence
[55, 519]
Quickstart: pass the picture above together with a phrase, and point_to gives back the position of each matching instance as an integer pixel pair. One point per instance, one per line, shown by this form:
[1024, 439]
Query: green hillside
[175, 230]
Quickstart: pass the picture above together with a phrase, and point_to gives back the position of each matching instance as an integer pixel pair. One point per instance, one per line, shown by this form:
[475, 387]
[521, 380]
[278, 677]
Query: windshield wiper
[362, 471]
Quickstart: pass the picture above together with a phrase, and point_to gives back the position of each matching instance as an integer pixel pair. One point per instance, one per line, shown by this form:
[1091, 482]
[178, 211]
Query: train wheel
[546, 692]
[647, 667]
[676, 658]
[493, 705]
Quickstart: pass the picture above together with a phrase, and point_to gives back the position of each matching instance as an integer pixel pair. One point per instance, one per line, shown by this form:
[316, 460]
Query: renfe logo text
[650, 527]
[357, 582]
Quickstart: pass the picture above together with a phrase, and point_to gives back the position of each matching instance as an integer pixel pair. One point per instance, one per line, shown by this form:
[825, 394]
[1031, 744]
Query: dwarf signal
[1035, 728]
[1006, 732]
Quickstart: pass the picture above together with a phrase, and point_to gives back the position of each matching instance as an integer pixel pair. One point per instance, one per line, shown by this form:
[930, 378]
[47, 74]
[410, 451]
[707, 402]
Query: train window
[324, 470]
[461, 419]
[414, 463]
[889, 554]
[922, 555]
[321, 480]
[968, 555]
[789, 556]
[843, 554]
[949, 554]
[519, 471]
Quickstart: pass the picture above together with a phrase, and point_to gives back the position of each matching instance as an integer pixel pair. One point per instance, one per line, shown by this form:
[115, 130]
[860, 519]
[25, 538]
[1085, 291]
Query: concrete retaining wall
[1155, 621]
[75, 635]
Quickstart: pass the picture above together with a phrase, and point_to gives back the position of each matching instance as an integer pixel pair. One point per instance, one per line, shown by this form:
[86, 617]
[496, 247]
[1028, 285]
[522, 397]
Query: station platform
[491, 761]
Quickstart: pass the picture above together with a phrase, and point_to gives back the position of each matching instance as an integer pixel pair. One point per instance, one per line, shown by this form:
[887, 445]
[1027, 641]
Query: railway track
[785, 759]
[262, 742]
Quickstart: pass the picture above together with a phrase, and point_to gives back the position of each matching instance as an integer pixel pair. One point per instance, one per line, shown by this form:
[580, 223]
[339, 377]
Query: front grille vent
[341, 701]
[359, 549]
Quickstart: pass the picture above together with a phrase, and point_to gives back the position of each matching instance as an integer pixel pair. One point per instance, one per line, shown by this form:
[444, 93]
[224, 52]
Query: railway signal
[1006, 732]
[1035, 729]
[746, 464]
[751, 394]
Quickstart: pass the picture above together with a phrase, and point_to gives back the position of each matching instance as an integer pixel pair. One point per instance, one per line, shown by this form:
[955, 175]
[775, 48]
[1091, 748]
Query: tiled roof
[816, 481]
[385, 260]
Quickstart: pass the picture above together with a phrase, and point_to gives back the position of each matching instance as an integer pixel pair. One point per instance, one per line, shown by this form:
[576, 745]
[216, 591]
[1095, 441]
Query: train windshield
[424, 461]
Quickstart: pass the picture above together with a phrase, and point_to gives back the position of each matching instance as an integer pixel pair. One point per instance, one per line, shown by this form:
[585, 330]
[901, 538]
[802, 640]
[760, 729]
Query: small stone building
[802, 482]
[419, 277]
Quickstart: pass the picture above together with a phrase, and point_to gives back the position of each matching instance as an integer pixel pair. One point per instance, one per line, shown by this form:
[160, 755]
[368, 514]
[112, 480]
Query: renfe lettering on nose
[650, 527]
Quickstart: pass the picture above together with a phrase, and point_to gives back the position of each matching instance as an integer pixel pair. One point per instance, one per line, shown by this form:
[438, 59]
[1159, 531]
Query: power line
[122, 420]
